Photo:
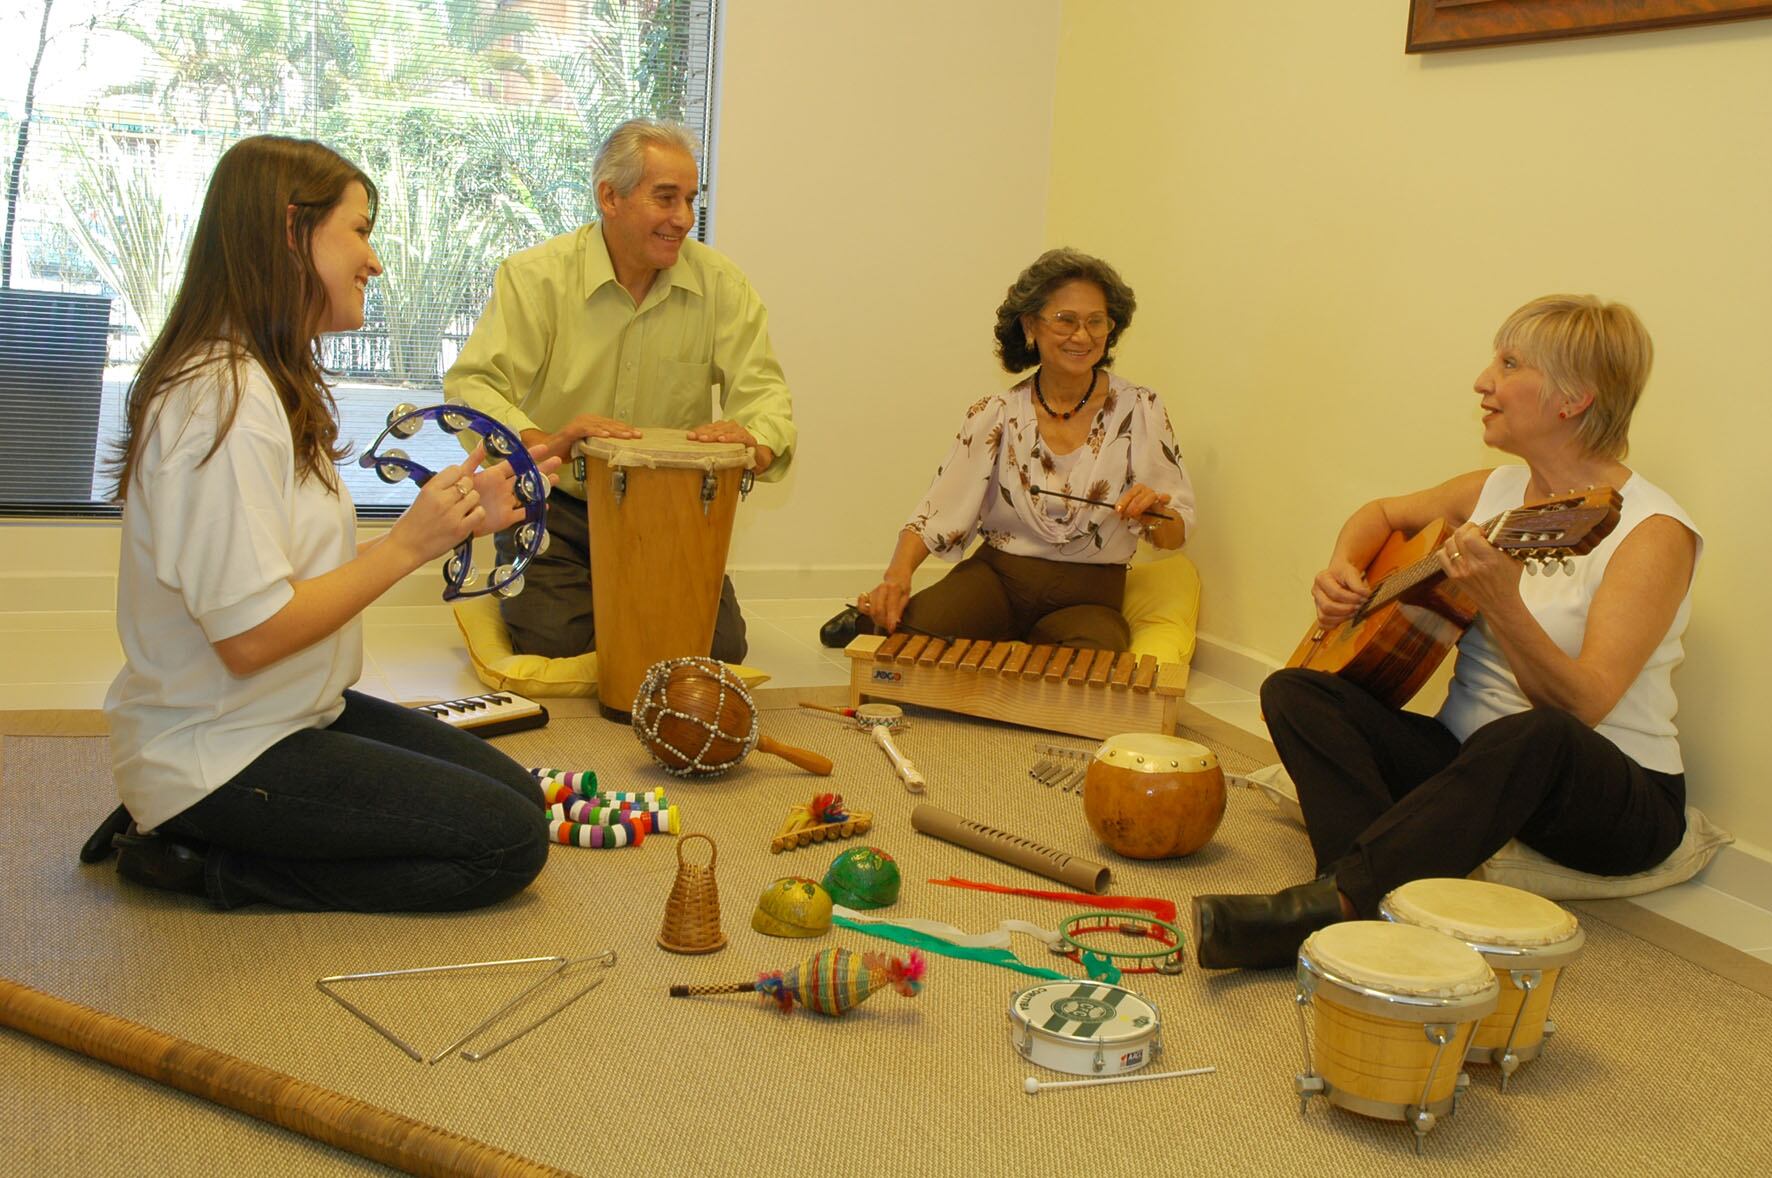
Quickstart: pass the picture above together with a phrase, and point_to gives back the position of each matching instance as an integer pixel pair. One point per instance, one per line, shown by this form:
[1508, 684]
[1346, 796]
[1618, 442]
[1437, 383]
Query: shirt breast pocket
[678, 394]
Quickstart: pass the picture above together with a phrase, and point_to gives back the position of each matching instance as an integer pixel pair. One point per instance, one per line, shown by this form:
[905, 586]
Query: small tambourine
[502, 445]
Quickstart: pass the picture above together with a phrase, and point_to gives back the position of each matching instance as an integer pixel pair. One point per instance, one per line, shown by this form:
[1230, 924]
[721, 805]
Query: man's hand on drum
[731, 431]
[885, 602]
[497, 487]
[1338, 591]
[586, 425]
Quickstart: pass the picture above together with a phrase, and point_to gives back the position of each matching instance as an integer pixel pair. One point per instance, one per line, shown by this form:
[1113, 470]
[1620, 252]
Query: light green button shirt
[560, 336]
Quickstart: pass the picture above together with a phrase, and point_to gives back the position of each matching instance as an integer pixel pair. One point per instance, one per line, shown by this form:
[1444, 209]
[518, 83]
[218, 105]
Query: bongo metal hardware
[531, 489]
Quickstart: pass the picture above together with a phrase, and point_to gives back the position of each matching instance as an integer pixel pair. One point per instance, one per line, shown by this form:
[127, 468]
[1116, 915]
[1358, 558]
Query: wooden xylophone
[1057, 688]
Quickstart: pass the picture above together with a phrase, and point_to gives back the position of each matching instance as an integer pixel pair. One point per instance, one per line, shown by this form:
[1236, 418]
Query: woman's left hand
[498, 496]
[1490, 576]
[1137, 500]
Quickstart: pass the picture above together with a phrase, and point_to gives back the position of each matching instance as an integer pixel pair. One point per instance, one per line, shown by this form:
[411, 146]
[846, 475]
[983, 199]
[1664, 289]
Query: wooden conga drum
[1526, 939]
[1395, 1008]
[661, 509]
[1150, 796]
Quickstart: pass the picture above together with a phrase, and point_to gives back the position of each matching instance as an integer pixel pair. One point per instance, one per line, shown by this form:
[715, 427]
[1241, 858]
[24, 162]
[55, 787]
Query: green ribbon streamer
[941, 948]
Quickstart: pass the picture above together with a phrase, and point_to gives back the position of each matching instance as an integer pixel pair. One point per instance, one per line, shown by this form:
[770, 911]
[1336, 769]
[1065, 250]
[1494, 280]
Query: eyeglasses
[1068, 323]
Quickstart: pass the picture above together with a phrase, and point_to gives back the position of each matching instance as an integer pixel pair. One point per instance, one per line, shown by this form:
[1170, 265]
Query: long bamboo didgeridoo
[326, 1116]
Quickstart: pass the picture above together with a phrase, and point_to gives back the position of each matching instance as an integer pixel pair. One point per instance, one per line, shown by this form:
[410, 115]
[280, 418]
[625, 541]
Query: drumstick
[1038, 491]
[828, 708]
[805, 758]
[1032, 1085]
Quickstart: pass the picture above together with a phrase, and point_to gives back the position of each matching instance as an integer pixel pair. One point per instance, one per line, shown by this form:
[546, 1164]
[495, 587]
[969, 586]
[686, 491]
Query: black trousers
[1390, 796]
[386, 810]
[553, 616]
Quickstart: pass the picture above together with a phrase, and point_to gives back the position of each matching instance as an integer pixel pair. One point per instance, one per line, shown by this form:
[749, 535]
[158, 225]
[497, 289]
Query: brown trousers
[1002, 597]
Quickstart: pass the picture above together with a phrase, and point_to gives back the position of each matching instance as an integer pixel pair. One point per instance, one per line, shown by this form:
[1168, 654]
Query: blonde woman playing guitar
[1558, 727]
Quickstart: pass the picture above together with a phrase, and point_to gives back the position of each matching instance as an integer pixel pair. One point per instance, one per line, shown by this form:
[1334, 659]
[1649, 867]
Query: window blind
[477, 119]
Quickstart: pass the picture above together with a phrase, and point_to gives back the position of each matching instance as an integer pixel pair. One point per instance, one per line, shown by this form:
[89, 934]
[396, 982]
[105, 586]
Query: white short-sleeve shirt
[210, 549]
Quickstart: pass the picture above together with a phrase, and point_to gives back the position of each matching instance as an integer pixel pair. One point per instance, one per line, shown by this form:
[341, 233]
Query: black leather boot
[159, 861]
[1262, 932]
[844, 626]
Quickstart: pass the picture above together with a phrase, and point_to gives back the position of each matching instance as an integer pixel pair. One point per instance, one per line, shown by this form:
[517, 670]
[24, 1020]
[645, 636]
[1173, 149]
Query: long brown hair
[246, 294]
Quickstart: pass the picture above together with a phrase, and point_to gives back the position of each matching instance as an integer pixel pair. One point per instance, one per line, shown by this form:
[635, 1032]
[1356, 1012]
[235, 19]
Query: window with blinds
[477, 119]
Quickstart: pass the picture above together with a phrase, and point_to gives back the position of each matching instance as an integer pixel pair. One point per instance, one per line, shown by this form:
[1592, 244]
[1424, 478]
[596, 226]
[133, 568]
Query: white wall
[1325, 232]
[881, 177]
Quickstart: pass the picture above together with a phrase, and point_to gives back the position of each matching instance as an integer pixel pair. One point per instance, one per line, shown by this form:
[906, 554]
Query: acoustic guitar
[1394, 642]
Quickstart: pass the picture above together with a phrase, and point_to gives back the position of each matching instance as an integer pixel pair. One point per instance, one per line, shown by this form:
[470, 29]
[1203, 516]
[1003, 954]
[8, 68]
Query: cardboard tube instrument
[1004, 847]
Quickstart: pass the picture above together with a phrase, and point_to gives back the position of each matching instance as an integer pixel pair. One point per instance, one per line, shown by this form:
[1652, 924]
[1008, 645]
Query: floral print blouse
[985, 486]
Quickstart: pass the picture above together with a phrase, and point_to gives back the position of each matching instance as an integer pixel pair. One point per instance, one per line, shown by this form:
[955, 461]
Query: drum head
[1487, 913]
[1084, 1012]
[1153, 752]
[669, 448]
[1399, 959]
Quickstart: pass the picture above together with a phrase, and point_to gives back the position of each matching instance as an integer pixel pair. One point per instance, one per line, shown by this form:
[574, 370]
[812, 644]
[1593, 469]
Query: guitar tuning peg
[1531, 566]
[1568, 566]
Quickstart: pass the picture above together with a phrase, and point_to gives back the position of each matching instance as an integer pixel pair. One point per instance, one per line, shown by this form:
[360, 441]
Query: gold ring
[1456, 554]
[463, 485]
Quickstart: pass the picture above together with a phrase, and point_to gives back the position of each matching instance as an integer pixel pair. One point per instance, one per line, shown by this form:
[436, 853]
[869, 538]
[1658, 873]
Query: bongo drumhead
[1400, 959]
[1153, 752]
[1485, 913]
[666, 448]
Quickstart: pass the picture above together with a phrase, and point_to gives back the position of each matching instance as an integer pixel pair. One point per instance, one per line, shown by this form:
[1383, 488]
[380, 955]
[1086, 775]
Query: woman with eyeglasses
[1059, 476]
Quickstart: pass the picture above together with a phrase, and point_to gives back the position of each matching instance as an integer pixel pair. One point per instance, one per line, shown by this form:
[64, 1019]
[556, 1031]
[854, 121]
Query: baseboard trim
[1228, 662]
[1741, 870]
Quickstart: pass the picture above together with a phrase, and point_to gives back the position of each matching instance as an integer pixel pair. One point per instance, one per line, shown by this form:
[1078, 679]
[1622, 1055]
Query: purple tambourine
[531, 488]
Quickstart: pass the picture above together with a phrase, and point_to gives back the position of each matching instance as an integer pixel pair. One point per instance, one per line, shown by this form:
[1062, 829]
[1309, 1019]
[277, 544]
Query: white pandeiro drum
[1085, 1028]
[1525, 938]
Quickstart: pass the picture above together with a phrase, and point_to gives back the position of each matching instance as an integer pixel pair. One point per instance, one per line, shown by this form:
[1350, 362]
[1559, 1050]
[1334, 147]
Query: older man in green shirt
[625, 322]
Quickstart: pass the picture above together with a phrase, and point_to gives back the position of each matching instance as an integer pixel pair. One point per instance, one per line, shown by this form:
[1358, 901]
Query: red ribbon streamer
[1159, 908]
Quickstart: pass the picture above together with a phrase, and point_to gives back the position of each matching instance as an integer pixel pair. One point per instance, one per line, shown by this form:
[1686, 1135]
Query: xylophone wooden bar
[1055, 688]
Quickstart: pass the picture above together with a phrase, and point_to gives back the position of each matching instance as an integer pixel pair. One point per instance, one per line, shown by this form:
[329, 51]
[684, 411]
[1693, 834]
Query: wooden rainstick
[1095, 693]
[246, 1087]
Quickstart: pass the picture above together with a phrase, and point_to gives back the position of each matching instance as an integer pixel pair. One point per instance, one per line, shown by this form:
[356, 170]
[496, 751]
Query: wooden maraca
[697, 720]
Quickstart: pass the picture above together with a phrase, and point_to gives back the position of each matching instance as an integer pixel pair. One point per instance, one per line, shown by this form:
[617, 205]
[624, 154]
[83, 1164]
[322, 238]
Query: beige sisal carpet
[1655, 1070]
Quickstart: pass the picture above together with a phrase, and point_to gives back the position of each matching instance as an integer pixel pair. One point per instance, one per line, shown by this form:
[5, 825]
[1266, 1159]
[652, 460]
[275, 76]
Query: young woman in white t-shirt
[1559, 726]
[251, 772]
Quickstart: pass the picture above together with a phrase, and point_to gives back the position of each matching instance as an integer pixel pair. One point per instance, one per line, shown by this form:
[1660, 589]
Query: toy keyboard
[489, 715]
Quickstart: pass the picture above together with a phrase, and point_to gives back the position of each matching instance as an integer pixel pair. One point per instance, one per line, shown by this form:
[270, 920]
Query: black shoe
[1262, 932]
[98, 846]
[842, 629]
[158, 861]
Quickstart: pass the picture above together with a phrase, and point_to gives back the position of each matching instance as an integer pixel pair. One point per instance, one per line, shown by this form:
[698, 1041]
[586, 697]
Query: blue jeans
[386, 810]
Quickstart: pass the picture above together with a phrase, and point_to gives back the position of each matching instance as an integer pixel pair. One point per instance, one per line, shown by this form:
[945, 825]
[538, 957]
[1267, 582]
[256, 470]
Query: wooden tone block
[890, 648]
[913, 648]
[1037, 660]
[950, 658]
[1061, 659]
[999, 654]
[932, 652]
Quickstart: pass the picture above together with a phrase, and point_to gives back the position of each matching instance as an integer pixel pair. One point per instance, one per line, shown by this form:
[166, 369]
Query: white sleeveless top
[1483, 687]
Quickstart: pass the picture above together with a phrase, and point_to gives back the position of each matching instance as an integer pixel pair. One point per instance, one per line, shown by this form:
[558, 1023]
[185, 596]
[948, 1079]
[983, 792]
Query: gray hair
[621, 161]
[1028, 296]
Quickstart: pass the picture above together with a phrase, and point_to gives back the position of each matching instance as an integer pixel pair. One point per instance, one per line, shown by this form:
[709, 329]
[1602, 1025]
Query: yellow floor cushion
[1519, 866]
[533, 675]
[1162, 606]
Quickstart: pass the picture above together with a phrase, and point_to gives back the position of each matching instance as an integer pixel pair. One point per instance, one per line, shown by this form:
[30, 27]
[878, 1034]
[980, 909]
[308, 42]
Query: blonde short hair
[1584, 345]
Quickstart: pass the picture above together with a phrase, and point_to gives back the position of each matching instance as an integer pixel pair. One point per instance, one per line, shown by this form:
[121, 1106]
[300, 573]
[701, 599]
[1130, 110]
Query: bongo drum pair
[660, 509]
[1458, 971]
[1526, 939]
